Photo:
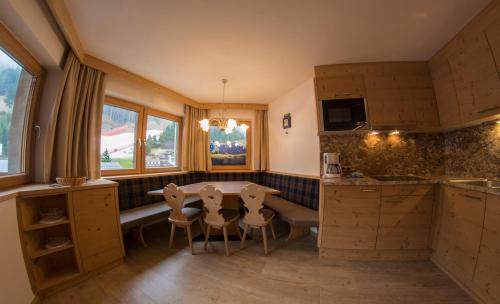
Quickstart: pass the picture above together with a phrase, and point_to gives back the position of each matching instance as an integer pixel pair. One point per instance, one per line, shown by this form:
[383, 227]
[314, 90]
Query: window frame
[167, 116]
[248, 165]
[140, 137]
[24, 58]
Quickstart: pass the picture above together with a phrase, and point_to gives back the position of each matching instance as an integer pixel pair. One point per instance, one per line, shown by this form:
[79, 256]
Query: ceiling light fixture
[225, 125]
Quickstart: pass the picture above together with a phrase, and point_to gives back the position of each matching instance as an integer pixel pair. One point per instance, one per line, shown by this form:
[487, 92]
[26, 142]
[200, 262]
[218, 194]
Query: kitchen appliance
[331, 165]
[343, 114]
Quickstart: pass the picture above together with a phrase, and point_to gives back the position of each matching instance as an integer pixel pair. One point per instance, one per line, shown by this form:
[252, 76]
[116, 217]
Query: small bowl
[71, 180]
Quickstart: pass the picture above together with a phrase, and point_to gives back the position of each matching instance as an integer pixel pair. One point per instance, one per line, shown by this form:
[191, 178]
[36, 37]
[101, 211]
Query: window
[230, 151]
[135, 139]
[19, 75]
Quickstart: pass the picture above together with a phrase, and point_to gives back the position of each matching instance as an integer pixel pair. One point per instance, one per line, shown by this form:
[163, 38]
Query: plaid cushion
[132, 193]
[299, 190]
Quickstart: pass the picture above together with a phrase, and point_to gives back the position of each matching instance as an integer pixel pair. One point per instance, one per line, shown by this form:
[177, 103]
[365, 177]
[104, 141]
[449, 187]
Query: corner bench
[300, 218]
[133, 220]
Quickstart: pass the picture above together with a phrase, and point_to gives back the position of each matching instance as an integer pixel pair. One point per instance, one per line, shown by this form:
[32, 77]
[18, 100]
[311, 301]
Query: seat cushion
[136, 216]
[229, 214]
[294, 214]
[191, 213]
[193, 202]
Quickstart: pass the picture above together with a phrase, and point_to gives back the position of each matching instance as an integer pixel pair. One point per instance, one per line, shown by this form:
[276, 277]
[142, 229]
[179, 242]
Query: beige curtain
[73, 144]
[195, 148]
[261, 141]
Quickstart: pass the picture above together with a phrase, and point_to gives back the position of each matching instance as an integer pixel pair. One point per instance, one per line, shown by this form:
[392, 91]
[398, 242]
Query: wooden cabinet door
[487, 276]
[475, 74]
[97, 227]
[350, 217]
[335, 87]
[460, 230]
[444, 88]
[405, 222]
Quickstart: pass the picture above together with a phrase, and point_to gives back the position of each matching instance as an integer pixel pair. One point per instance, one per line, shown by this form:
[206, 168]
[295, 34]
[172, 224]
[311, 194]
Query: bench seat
[136, 218]
[299, 217]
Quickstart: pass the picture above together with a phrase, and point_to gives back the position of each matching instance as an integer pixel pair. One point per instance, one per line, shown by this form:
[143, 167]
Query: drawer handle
[393, 201]
[472, 197]
[368, 190]
[488, 109]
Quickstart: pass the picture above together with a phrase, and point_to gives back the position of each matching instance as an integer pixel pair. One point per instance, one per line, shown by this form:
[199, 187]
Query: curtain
[73, 139]
[261, 141]
[195, 148]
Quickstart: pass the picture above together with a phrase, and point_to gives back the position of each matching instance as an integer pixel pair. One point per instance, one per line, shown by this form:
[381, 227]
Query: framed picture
[287, 121]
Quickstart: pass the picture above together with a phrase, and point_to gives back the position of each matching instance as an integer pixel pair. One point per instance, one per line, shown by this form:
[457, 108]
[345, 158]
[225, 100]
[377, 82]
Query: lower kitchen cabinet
[486, 280]
[386, 222]
[460, 230]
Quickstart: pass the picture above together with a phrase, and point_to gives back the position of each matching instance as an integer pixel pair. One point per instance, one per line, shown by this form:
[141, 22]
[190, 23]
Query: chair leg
[226, 245]
[190, 239]
[272, 230]
[245, 230]
[172, 232]
[264, 239]
[200, 221]
[238, 228]
[207, 236]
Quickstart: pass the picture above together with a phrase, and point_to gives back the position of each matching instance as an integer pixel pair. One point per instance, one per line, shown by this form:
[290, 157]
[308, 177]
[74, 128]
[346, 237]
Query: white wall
[14, 283]
[298, 151]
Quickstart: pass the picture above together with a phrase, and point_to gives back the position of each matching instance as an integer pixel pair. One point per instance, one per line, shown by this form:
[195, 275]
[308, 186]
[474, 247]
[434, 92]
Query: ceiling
[264, 47]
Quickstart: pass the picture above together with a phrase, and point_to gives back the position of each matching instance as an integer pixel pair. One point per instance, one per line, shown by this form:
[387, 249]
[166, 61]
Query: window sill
[146, 175]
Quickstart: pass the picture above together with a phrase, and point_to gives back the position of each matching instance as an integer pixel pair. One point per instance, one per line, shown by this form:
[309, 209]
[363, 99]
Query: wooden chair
[181, 216]
[216, 216]
[257, 216]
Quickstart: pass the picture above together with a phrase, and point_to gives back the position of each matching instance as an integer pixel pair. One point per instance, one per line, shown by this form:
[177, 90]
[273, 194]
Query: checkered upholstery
[299, 190]
[132, 193]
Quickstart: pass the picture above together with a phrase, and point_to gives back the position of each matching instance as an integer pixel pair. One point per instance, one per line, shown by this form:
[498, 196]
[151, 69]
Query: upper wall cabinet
[399, 95]
[466, 72]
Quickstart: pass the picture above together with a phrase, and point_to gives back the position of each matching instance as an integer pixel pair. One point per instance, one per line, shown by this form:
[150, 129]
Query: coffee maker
[331, 165]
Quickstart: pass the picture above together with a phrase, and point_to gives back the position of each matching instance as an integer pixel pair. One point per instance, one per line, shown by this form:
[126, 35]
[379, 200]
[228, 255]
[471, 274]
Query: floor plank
[291, 273]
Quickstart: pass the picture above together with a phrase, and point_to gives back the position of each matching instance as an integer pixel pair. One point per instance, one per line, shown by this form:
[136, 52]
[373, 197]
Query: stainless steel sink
[397, 178]
[495, 184]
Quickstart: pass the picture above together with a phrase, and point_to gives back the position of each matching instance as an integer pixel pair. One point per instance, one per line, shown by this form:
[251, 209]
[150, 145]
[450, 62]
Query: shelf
[43, 252]
[43, 226]
[58, 277]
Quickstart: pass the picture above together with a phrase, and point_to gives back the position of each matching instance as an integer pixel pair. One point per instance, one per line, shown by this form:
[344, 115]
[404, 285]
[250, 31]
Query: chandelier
[225, 125]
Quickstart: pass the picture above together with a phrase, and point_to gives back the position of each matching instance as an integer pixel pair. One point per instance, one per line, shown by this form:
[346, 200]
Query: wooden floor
[292, 273]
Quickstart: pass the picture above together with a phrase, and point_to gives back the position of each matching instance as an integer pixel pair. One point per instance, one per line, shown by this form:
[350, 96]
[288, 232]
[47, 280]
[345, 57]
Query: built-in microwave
[343, 114]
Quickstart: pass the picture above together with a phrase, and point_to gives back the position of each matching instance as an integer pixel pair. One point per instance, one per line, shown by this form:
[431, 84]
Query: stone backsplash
[473, 151]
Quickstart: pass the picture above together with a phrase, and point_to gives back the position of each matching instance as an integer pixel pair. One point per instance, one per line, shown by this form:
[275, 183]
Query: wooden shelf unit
[47, 267]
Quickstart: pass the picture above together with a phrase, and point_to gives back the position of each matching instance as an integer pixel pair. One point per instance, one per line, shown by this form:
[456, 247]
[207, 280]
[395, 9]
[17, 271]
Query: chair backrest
[175, 199]
[212, 201]
[253, 196]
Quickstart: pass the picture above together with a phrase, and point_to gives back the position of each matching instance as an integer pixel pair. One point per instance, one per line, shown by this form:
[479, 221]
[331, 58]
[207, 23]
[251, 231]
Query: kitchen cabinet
[376, 222]
[487, 274]
[405, 217]
[471, 59]
[399, 95]
[349, 217]
[459, 234]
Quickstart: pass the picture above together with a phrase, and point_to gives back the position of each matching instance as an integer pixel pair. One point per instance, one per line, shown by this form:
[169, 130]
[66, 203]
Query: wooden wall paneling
[486, 280]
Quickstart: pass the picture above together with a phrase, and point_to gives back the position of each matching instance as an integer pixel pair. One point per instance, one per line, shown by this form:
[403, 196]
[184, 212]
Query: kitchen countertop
[445, 180]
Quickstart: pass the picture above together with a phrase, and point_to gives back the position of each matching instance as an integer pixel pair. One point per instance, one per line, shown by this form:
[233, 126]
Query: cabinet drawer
[101, 259]
[94, 233]
[352, 192]
[396, 190]
[94, 201]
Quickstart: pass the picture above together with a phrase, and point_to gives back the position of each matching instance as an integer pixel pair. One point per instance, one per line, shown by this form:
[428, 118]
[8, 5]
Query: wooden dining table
[230, 191]
[229, 188]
